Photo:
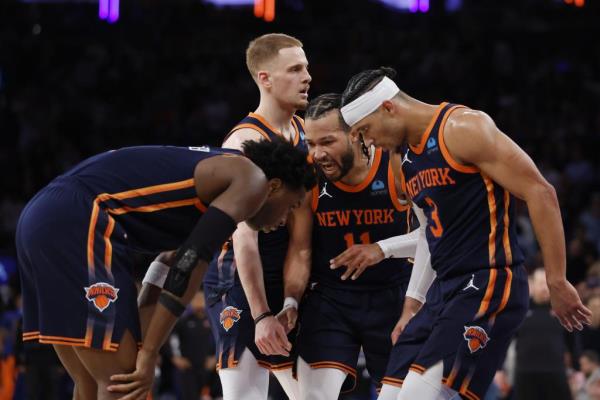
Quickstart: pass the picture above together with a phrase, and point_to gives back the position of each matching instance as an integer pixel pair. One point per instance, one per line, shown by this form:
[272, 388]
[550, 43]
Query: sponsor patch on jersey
[378, 188]
[229, 316]
[476, 337]
[431, 143]
[101, 294]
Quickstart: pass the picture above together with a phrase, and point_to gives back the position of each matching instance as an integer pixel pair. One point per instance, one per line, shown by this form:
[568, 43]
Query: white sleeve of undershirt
[422, 275]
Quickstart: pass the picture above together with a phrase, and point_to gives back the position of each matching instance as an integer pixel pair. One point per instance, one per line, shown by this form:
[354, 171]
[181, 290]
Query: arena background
[173, 72]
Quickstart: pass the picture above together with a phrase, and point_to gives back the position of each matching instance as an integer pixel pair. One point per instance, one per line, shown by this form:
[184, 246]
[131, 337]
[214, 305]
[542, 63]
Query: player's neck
[277, 117]
[420, 116]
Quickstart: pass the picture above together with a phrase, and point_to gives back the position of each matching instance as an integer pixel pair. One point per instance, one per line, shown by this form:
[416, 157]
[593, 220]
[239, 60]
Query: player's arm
[238, 189]
[269, 335]
[296, 269]
[472, 138]
[152, 285]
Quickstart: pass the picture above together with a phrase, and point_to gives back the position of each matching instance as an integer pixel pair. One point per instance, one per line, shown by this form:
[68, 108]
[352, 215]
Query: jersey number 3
[436, 227]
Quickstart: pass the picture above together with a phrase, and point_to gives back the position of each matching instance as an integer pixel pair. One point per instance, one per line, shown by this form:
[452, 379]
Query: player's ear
[388, 106]
[264, 79]
[275, 186]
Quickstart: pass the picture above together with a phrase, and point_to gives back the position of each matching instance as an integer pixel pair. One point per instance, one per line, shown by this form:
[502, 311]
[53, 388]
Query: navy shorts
[415, 334]
[475, 324]
[233, 326]
[75, 271]
[336, 323]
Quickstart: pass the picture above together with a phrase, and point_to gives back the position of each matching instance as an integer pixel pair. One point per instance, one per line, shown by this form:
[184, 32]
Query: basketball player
[356, 200]
[74, 237]
[237, 278]
[463, 172]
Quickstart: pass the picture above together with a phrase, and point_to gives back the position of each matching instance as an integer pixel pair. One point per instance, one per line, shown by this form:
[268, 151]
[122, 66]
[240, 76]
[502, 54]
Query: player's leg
[245, 381]
[427, 385]
[288, 383]
[85, 384]
[389, 392]
[101, 364]
[328, 344]
[319, 383]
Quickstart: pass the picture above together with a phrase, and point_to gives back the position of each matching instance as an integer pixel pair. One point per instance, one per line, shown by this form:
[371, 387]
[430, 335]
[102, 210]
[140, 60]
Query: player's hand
[410, 308]
[568, 307]
[270, 337]
[400, 325]
[357, 258]
[287, 318]
[181, 363]
[136, 385]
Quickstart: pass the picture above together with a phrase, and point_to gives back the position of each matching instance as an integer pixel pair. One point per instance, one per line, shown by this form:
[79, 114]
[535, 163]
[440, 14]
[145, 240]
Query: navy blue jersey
[272, 246]
[345, 215]
[148, 190]
[471, 221]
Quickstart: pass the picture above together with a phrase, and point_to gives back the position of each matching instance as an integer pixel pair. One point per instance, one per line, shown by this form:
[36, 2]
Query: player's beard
[347, 162]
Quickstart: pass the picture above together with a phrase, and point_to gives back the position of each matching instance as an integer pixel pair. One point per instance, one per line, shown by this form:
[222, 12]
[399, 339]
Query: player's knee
[388, 392]
[425, 387]
[85, 386]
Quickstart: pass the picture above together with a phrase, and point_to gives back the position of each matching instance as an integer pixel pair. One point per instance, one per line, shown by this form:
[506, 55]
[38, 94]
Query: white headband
[369, 101]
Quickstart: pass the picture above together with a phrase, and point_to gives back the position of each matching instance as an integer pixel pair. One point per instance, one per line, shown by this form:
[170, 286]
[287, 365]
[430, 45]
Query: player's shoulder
[468, 120]
[236, 138]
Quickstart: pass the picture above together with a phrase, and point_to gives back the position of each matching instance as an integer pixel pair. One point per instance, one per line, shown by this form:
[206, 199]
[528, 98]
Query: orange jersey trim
[392, 381]
[505, 294]
[315, 198]
[489, 185]
[505, 237]
[361, 186]
[489, 292]
[258, 129]
[467, 169]
[276, 367]
[268, 125]
[419, 148]
[393, 192]
[417, 368]
[144, 191]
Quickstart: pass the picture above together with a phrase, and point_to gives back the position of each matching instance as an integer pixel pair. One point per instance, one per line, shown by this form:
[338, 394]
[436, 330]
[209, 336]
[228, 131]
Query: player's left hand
[288, 317]
[357, 258]
[568, 307]
[136, 385]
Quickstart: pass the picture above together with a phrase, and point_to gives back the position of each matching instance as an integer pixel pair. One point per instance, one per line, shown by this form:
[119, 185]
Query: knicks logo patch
[101, 294]
[229, 316]
[476, 337]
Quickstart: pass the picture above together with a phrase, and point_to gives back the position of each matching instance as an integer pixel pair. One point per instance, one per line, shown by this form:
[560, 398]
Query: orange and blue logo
[101, 294]
[476, 337]
[229, 316]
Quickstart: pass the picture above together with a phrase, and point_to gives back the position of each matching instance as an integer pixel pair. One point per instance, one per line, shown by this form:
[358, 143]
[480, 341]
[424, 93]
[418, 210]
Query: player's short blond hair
[266, 47]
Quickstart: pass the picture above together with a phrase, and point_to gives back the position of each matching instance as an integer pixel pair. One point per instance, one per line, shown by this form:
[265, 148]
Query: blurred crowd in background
[173, 72]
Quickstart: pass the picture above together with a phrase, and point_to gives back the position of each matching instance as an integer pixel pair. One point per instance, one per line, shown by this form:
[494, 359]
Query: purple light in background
[414, 6]
[103, 8]
[113, 13]
[424, 6]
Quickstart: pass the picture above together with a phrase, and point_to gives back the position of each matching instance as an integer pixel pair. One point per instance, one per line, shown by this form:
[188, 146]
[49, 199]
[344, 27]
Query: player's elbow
[544, 193]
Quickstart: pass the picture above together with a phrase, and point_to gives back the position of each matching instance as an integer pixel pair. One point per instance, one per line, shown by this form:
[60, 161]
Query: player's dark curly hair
[365, 81]
[321, 105]
[279, 158]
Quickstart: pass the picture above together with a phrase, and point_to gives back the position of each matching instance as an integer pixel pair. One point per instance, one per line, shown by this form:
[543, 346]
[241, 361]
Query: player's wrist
[290, 302]
[262, 317]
